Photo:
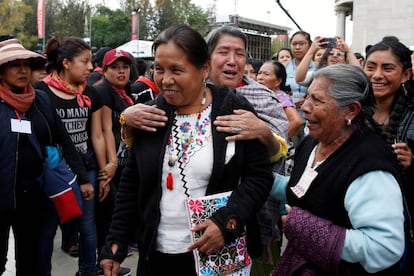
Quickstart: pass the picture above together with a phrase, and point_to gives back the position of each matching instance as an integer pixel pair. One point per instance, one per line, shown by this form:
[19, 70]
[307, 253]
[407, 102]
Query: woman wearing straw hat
[26, 119]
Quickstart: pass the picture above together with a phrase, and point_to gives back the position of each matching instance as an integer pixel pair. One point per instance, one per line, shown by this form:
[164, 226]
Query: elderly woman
[338, 223]
[186, 158]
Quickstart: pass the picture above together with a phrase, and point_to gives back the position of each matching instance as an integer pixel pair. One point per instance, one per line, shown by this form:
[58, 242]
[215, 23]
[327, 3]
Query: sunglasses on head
[337, 53]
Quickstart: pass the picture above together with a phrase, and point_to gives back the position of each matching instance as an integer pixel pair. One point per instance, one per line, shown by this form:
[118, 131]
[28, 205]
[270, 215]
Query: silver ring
[236, 130]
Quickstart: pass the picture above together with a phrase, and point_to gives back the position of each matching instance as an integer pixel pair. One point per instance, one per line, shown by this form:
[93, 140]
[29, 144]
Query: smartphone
[330, 42]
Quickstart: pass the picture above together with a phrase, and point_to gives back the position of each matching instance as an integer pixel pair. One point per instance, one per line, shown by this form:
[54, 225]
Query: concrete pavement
[62, 263]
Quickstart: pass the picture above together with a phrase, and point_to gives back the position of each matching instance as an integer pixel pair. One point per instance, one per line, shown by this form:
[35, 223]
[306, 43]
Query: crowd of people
[314, 146]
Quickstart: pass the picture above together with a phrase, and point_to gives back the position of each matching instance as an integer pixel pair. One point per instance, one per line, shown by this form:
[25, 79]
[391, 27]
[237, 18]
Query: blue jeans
[50, 222]
[87, 230]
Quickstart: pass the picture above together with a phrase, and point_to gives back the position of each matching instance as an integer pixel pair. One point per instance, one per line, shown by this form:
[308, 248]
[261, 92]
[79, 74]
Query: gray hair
[349, 84]
[216, 34]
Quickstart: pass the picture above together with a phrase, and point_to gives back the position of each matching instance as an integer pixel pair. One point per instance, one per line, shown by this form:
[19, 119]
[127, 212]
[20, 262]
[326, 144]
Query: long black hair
[404, 96]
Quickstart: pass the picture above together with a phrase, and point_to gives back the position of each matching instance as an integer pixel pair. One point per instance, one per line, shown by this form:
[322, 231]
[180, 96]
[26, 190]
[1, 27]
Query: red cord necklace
[185, 144]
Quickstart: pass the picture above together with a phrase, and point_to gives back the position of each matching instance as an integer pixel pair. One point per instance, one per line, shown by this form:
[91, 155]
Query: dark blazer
[248, 174]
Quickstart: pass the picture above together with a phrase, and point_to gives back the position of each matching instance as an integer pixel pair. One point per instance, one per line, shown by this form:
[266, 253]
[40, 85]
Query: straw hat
[12, 49]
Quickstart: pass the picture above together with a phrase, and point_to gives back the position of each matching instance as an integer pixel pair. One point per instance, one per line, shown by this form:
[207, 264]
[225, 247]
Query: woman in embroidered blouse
[186, 158]
[334, 184]
[79, 106]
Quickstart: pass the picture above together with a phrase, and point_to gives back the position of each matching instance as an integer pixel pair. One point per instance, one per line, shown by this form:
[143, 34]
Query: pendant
[172, 160]
[170, 181]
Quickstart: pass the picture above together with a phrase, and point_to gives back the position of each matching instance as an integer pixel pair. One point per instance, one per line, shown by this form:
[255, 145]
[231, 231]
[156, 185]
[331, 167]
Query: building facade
[374, 19]
[259, 34]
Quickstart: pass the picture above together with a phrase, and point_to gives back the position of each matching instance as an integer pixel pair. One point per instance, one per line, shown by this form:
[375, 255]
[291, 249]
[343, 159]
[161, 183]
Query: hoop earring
[349, 122]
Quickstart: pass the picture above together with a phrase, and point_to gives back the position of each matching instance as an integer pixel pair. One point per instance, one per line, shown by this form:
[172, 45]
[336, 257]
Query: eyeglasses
[299, 43]
[335, 53]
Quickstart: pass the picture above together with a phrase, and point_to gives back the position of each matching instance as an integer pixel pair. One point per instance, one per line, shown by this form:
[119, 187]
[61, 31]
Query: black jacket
[248, 174]
[47, 129]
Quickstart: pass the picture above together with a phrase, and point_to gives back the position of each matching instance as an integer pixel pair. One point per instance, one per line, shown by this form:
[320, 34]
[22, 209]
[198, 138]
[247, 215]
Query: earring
[349, 122]
[405, 90]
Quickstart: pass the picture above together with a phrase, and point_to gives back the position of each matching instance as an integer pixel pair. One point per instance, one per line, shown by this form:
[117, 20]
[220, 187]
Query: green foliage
[171, 12]
[71, 19]
[147, 20]
[198, 19]
[13, 14]
[109, 28]
[30, 22]
[277, 44]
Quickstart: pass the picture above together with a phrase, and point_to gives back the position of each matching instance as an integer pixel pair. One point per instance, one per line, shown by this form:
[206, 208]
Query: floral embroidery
[188, 136]
[233, 257]
[220, 202]
[195, 205]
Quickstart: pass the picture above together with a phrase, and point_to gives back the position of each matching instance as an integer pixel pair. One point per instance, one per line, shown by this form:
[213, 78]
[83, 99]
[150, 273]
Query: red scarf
[149, 83]
[20, 102]
[122, 93]
[55, 81]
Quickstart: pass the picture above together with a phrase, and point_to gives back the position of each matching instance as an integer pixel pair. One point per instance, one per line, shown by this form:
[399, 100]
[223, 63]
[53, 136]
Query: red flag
[135, 27]
[41, 18]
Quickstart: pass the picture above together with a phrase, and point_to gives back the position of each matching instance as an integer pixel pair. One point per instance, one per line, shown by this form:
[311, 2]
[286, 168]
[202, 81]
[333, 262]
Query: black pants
[168, 264]
[25, 221]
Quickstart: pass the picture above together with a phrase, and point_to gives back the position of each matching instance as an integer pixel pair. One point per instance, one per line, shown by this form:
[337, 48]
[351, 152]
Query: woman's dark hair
[56, 52]
[99, 55]
[276, 57]
[256, 63]
[398, 49]
[348, 84]
[324, 58]
[216, 34]
[404, 96]
[141, 66]
[305, 34]
[280, 73]
[189, 40]
[133, 73]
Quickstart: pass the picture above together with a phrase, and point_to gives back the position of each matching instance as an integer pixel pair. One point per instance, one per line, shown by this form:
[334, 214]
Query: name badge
[22, 126]
[304, 183]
